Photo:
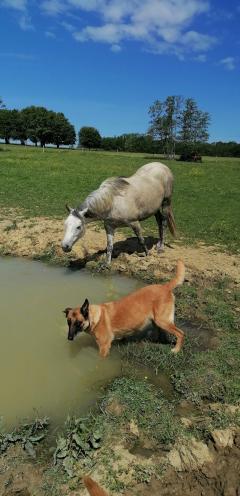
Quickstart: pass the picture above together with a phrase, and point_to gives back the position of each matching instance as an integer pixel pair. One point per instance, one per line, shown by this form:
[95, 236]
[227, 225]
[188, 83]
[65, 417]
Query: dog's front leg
[104, 346]
[104, 350]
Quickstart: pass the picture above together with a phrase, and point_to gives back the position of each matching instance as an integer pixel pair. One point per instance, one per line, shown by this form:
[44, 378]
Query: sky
[104, 62]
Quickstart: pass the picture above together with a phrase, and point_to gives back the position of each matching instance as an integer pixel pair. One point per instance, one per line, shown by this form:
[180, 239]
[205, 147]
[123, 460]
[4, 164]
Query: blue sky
[104, 62]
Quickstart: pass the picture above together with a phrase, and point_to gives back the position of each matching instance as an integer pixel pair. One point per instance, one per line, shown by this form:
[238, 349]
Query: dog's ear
[85, 309]
[67, 310]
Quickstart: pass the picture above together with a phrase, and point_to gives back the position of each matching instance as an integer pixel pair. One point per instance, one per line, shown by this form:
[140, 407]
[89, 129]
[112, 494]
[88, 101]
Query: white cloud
[162, 25]
[196, 41]
[53, 7]
[229, 63]
[14, 4]
[108, 33]
[15, 55]
[116, 48]
[201, 57]
[69, 27]
[49, 34]
[25, 22]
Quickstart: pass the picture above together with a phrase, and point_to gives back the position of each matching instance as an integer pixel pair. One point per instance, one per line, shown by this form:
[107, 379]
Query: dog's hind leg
[138, 232]
[172, 329]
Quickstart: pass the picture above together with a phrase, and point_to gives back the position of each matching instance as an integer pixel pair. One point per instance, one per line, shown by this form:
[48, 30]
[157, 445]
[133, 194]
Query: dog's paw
[174, 350]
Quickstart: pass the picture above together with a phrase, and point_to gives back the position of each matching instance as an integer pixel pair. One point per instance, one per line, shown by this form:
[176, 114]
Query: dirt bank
[41, 237]
[210, 470]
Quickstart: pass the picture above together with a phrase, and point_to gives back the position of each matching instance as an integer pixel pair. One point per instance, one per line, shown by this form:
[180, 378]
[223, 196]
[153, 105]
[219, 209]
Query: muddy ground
[197, 468]
[191, 469]
[41, 238]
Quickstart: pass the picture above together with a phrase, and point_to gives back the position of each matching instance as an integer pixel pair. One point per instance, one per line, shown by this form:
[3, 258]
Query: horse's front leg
[110, 235]
[136, 227]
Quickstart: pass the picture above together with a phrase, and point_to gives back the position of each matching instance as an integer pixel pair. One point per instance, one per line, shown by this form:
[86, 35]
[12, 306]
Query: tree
[194, 124]
[89, 137]
[135, 142]
[37, 121]
[6, 124]
[19, 131]
[2, 104]
[63, 133]
[165, 121]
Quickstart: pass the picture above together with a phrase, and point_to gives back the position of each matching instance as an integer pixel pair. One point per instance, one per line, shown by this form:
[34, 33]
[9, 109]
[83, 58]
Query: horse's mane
[100, 201]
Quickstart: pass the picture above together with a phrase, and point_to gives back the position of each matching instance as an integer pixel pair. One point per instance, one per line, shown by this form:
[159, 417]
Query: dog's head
[77, 319]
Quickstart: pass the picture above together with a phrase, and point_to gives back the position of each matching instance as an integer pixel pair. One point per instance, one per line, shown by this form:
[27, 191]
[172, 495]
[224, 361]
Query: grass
[205, 197]
[144, 404]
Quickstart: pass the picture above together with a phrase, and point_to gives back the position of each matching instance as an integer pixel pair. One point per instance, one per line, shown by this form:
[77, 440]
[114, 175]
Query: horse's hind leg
[160, 222]
[138, 231]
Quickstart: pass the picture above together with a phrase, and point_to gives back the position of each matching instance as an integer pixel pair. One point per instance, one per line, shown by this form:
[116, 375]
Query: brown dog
[129, 315]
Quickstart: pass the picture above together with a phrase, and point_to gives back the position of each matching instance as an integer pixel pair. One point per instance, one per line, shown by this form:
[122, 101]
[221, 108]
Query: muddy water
[41, 373]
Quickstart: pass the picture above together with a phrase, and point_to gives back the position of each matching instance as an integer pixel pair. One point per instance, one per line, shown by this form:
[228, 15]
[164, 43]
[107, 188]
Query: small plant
[28, 435]
[11, 227]
[78, 443]
[143, 474]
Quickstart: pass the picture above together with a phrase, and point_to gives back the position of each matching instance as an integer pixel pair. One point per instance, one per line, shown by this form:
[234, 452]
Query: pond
[41, 372]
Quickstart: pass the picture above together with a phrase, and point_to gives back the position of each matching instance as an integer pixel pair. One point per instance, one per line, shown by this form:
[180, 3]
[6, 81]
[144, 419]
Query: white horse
[124, 201]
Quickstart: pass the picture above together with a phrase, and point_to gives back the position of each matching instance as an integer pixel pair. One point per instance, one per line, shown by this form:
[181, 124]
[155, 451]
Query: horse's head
[74, 228]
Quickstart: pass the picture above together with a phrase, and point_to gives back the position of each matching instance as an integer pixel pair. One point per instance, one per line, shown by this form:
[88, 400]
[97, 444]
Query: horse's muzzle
[66, 248]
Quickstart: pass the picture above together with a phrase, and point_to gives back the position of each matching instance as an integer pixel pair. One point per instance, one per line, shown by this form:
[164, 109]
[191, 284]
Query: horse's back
[155, 169]
[147, 189]
[153, 177]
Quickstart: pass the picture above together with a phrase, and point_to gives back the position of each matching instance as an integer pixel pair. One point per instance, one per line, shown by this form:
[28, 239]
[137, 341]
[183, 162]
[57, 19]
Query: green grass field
[205, 197]
[206, 208]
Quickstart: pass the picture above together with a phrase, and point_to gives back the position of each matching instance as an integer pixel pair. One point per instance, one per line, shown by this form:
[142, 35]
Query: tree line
[36, 124]
[174, 121]
[142, 143]
[176, 125]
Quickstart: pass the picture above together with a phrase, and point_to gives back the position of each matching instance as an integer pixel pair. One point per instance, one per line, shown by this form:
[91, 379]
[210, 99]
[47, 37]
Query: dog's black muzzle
[74, 330]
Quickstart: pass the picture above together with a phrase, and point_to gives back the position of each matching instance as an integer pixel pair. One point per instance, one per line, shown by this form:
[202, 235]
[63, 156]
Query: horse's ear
[69, 209]
[85, 309]
[84, 211]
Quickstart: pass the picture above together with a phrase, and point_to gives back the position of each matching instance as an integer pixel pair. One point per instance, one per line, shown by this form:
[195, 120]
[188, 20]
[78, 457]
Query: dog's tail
[93, 488]
[168, 211]
[179, 278]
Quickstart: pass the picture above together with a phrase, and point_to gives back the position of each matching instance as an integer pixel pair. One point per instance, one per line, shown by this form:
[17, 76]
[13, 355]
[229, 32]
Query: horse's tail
[93, 488]
[168, 214]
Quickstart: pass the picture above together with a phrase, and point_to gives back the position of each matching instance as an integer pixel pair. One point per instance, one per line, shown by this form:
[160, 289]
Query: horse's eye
[78, 227]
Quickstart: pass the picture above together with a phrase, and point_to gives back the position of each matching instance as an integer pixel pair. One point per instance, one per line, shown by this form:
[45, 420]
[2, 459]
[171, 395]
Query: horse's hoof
[160, 249]
[103, 266]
